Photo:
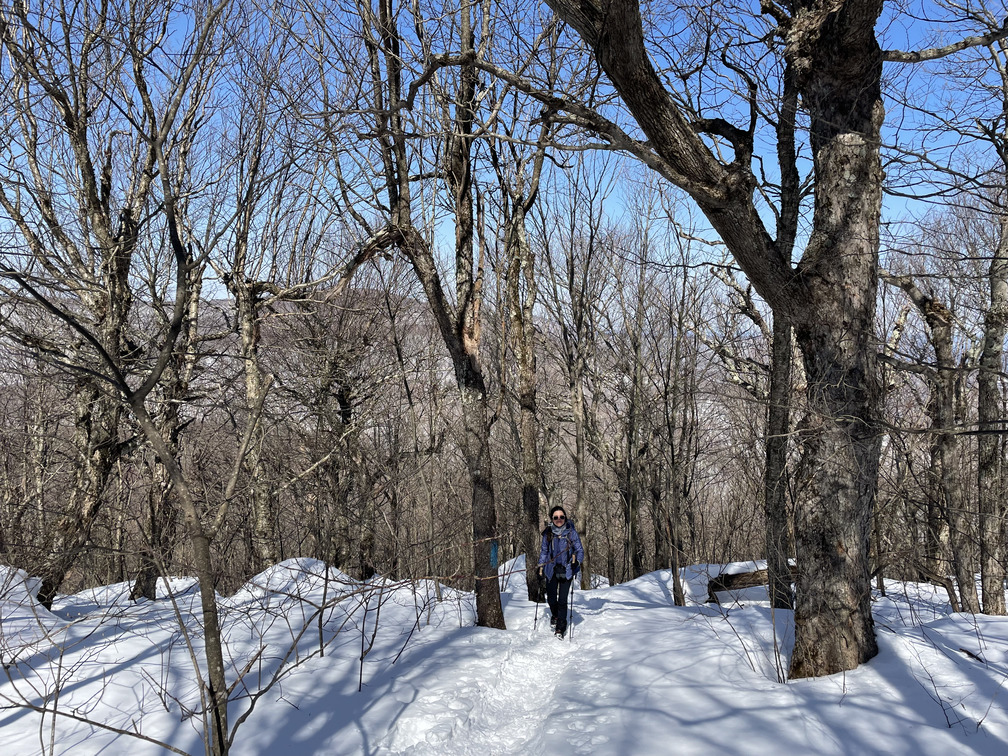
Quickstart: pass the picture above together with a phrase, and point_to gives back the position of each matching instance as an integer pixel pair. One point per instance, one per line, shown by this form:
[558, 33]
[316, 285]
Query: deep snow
[639, 675]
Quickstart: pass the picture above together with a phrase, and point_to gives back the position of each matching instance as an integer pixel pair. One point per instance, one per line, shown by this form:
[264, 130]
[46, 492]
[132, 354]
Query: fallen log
[737, 580]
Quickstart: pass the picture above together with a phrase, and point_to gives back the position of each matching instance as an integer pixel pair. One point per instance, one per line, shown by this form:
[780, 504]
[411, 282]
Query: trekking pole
[536, 593]
[570, 620]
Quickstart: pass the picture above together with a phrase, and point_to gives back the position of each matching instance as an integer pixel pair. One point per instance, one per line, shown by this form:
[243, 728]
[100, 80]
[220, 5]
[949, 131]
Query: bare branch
[936, 53]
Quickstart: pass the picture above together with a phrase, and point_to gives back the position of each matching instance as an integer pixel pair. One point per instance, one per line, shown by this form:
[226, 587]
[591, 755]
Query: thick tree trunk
[834, 626]
[489, 612]
[839, 67]
[841, 89]
[991, 427]
[521, 268]
[831, 51]
[775, 483]
[264, 550]
[97, 420]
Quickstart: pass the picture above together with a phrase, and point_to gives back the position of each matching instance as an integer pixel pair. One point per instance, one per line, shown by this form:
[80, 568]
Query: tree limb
[936, 53]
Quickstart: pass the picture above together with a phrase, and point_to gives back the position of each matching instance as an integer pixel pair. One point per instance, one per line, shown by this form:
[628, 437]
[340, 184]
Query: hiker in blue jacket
[560, 557]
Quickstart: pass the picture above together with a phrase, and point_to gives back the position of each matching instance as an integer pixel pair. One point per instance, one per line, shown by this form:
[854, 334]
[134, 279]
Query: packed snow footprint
[506, 715]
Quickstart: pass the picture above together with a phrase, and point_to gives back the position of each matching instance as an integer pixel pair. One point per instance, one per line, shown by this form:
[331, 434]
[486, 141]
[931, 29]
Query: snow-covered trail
[525, 692]
[497, 700]
[604, 690]
[643, 678]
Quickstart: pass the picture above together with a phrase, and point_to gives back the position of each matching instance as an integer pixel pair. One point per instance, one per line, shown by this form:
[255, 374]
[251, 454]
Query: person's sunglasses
[559, 518]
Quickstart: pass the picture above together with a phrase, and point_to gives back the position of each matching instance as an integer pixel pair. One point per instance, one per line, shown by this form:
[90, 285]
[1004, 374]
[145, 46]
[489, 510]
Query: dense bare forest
[378, 283]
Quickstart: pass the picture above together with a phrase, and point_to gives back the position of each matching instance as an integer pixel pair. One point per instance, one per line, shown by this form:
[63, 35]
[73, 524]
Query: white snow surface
[103, 675]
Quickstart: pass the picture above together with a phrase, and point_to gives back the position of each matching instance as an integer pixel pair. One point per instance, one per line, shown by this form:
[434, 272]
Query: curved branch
[936, 53]
[577, 113]
[614, 31]
[116, 378]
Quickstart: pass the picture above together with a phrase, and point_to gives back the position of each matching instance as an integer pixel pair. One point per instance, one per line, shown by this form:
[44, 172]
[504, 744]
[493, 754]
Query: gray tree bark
[775, 477]
[991, 429]
[945, 493]
[459, 324]
[257, 382]
[88, 250]
[161, 133]
[829, 299]
[518, 179]
[521, 269]
[175, 383]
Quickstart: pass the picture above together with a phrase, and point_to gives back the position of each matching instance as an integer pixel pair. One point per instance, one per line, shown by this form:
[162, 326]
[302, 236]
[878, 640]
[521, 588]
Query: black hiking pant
[557, 590]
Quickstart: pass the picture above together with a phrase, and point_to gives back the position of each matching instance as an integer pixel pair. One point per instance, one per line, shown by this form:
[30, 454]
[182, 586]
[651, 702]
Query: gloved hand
[575, 565]
[540, 573]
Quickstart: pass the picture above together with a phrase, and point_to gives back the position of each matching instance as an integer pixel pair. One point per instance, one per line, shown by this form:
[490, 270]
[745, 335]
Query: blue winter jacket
[560, 550]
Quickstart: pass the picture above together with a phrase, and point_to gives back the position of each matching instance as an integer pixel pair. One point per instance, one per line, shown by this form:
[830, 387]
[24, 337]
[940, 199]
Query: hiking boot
[552, 621]
[560, 632]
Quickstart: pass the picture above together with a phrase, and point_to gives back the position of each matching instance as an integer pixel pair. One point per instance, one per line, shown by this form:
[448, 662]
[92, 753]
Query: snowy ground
[639, 675]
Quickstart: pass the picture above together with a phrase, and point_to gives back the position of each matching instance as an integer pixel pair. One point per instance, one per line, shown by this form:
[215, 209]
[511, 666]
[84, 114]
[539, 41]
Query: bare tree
[77, 60]
[981, 74]
[836, 64]
[627, 258]
[284, 222]
[772, 384]
[80, 213]
[456, 102]
[172, 392]
[946, 499]
[519, 179]
[990, 422]
[675, 371]
[571, 235]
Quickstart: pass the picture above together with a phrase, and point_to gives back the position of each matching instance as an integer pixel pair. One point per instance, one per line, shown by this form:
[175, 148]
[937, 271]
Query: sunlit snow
[103, 675]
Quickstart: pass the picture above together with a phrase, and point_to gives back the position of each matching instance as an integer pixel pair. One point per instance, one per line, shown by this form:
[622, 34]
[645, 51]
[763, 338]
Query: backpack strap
[548, 535]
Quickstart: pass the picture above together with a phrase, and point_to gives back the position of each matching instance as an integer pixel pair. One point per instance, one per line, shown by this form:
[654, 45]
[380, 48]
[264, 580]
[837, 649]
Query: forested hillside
[377, 284]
